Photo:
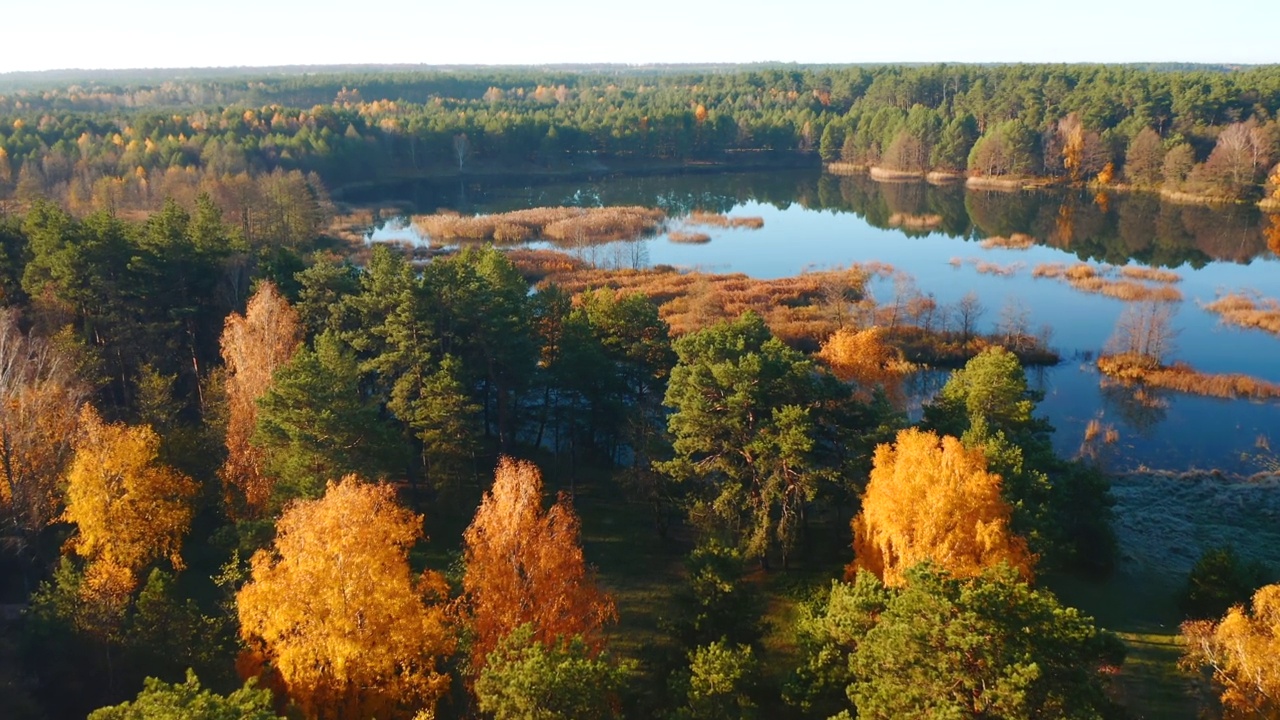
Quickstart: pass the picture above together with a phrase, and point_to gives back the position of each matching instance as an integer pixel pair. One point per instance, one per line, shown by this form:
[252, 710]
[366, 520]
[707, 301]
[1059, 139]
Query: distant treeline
[1200, 131]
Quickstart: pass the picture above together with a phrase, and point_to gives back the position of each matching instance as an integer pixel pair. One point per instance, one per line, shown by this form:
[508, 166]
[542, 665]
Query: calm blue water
[808, 225]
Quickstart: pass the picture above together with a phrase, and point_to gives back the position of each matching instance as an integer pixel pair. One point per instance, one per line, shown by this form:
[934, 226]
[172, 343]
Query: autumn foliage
[525, 565]
[1241, 652]
[336, 615]
[1246, 311]
[129, 509]
[40, 399]
[932, 499]
[865, 357]
[254, 346]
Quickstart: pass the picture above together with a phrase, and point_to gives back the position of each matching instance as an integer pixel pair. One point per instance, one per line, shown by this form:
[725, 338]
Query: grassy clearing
[1180, 377]
[1164, 521]
[1248, 311]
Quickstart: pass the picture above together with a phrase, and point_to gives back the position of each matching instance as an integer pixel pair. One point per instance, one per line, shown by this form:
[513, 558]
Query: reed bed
[720, 220]
[606, 224]
[1095, 429]
[1127, 290]
[1181, 377]
[1150, 274]
[538, 265]
[688, 238]
[989, 268]
[1091, 279]
[561, 224]
[913, 221]
[1016, 241]
[802, 310]
[1248, 312]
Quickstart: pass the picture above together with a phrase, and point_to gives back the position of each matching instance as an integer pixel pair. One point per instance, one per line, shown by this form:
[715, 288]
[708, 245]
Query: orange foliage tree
[40, 398]
[525, 565]
[1241, 651]
[933, 499]
[334, 613]
[1273, 231]
[254, 346]
[865, 358]
[129, 509]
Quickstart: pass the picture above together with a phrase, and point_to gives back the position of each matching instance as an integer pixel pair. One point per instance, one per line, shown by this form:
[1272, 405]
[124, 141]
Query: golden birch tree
[525, 565]
[931, 498]
[40, 398]
[864, 357]
[1242, 652]
[333, 616]
[129, 509]
[254, 346]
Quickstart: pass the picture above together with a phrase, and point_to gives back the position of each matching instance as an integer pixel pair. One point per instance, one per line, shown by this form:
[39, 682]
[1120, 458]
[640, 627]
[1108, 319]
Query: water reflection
[817, 221]
[1140, 408]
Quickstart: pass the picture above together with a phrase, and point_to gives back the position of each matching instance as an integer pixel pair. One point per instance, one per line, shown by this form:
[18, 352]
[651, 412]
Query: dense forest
[130, 141]
[250, 470]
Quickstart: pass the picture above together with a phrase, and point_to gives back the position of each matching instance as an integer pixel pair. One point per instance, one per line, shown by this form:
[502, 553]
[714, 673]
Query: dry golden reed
[561, 224]
[1091, 279]
[803, 310]
[911, 221]
[990, 268]
[1138, 272]
[1185, 379]
[698, 217]
[1016, 241]
[1248, 312]
[688, 238]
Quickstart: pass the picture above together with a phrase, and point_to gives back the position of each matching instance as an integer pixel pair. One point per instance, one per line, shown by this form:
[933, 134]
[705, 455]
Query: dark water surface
[813, 221]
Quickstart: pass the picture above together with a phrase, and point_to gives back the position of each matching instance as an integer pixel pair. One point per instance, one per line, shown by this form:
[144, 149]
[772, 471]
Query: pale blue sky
[168, 33]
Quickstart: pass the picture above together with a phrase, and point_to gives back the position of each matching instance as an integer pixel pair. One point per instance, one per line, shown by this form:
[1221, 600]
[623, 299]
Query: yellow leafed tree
[129, 508]
[1243, 652]
[1272, 231]
[333, 616]
[40, 398]
[933, 499]
[525, 565]
[254, 346]
[865, 358]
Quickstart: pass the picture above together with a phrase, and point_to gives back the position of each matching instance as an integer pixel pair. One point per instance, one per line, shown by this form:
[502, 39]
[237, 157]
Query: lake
[815, 221]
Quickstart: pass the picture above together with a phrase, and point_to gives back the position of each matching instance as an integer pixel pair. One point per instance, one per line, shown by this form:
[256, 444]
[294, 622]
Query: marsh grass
[1098, 281]
[720, 220]
[802, 310]
[914, 221]
[1180, 377]
[1247, 311]
[558, 224]
[985, 267]
[1016, 241]
[1140, 272]
[688, 238]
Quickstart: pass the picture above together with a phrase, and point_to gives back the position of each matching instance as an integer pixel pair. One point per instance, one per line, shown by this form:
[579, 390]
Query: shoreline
[593, 168]
[1021, 183]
